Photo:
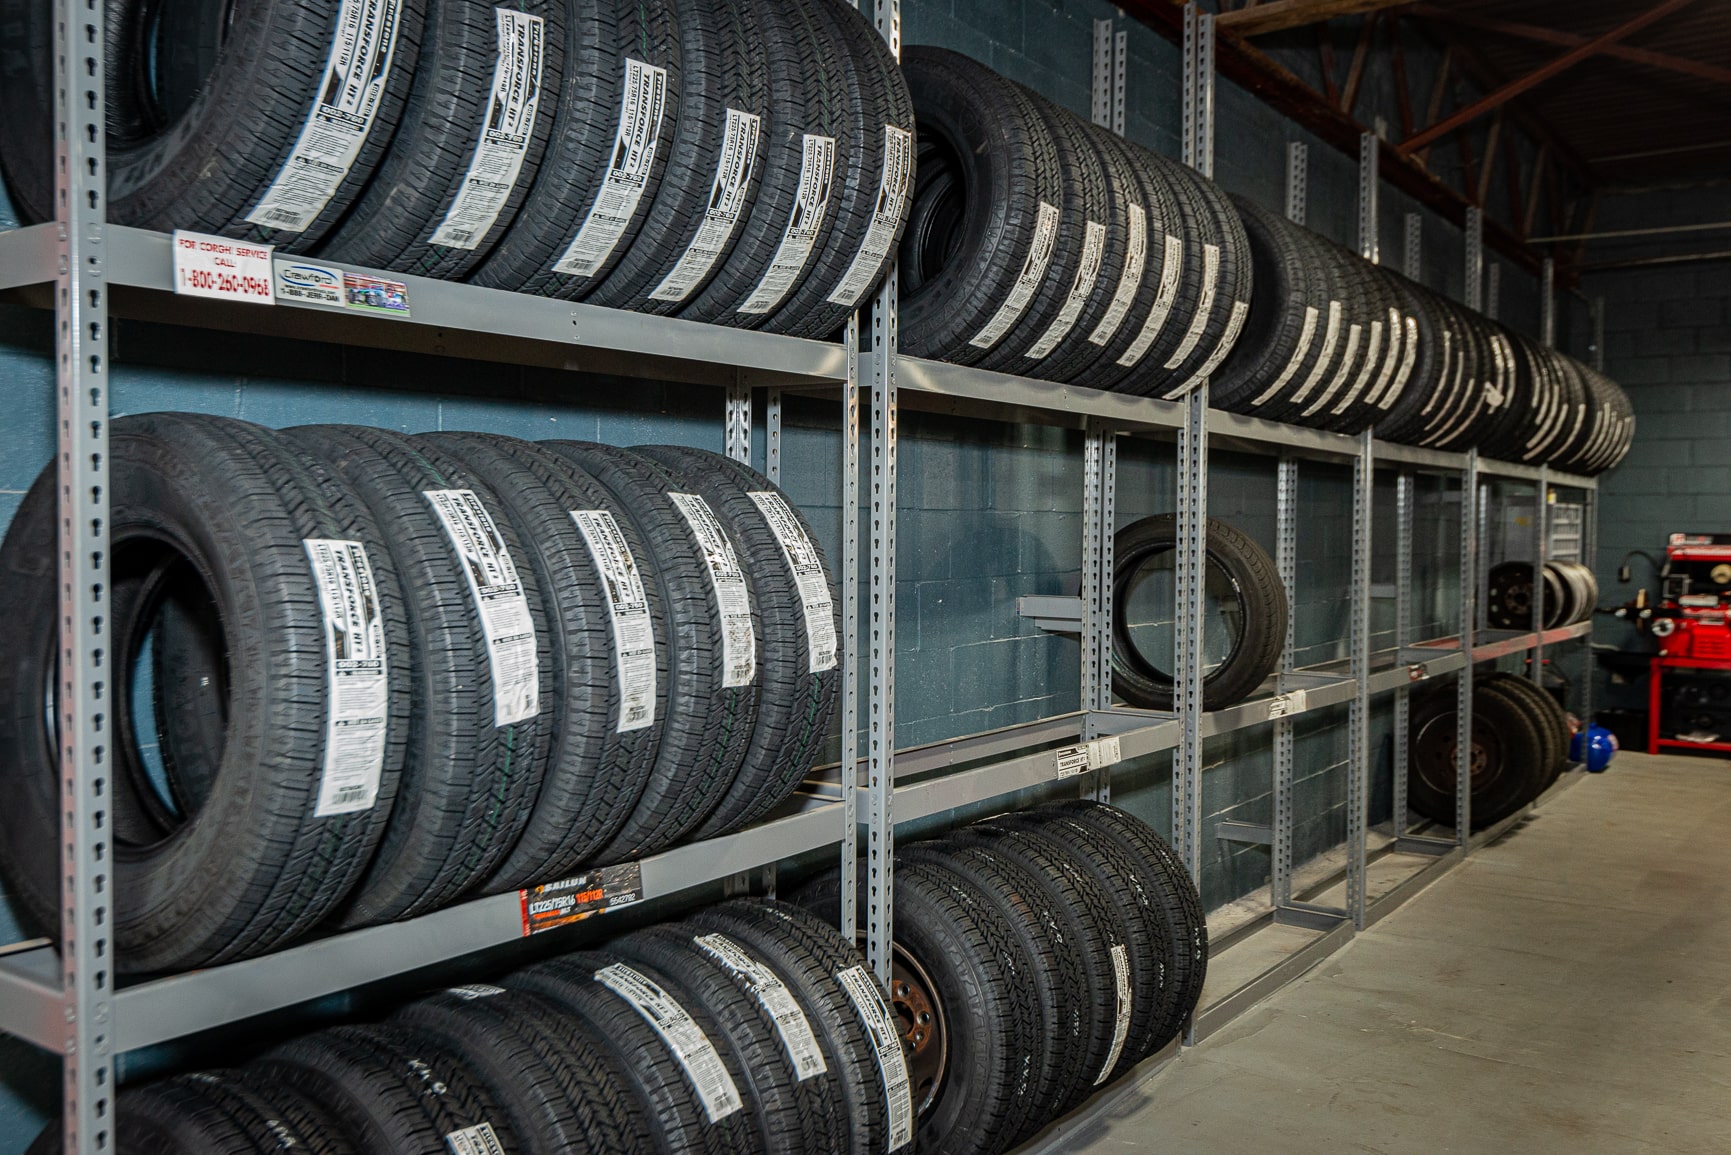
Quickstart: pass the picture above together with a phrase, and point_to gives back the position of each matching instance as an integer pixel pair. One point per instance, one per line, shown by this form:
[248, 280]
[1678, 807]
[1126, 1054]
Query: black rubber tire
[1550, 718]
[1056, 305]
[722, 70]
[601, 36]
[203, 509]
[992, 1016]
[1253, 658]
[595, 772]
[469, 786]
[810, 97]
[1056, 975]
[793, 1114]
[986, 173]
[809, 956]
[1508, 754]
[796, 706]
[393, 1089]
[557, 1084]
[1283, 333]
[1158, 879]
[213, 1113]
[878, 101]
[210, 169]
[676, 1115]
[707, 728]
[450, 108]
[1140, 940]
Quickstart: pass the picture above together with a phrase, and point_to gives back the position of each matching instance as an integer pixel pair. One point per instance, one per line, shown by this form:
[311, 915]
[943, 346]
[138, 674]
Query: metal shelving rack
[80, 266]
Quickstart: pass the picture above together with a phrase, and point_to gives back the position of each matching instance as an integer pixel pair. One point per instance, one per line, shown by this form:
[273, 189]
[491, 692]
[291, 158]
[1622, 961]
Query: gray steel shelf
[447, 318]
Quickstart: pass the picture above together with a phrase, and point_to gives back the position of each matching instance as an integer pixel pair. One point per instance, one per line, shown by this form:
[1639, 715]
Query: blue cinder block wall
[988, 512]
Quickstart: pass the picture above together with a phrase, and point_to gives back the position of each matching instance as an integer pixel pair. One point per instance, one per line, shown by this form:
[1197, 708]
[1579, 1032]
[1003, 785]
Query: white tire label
[1204, 306]
[887, 1042]
[504, 140]
[776, 1000]
[1329, 336]
[807, 566]
[1129, 281]
[350, 92]
[886, 217]
[1373, 356]
[1409, 355]
[1391, 358]
[500, 603]
[810, 207]
[1171, 268]
[477, 1140]
[475, 991]
[690, 1046]
[355, 672]
[1354, 334]
[634, 148]
[727, 580]
[1028, 281]
[733, 172]
[1120, 1025]
[1093, 252]
[1306, 334]
[1228, 340]
[628, 607]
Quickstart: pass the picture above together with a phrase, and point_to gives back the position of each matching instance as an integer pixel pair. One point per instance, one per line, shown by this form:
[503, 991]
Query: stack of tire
[1520, 745]
[1571, 595]
[383, 673]
[1037, 957]
[1336, 342]
[1043, 246]
[741, 162]
[750, 1028]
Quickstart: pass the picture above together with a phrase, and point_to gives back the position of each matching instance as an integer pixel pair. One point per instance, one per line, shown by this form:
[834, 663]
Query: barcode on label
[477, 1140]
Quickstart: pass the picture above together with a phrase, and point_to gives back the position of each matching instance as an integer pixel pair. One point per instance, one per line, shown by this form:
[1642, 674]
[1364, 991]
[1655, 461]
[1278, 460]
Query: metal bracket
[772, 436]
[1310, 916]
[1230, 831]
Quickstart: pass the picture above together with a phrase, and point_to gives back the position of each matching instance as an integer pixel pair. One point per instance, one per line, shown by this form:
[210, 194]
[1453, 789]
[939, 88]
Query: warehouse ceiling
[1649, 106]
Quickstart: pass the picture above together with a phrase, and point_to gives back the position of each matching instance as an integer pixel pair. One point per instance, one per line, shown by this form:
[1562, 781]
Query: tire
[393, 1090]
[479, 77]
[1158, 879]
[1141, 947]
[796, 704]
[204, 510]
[811, 957]
[986, 209]
[557, 1084]
[810, 98]
[214, 1113]
[724, 98]
[739, 991]
[476, 757]
[1551, 719]
[708, 725]
[1080, 242]
[879, 178]
[1058, 976]
[678, 1117]
[616, 51]
[1255, 580]
[957, 953]
[213, 167]
[1283, 333]
[596, 771]
[1508, 757]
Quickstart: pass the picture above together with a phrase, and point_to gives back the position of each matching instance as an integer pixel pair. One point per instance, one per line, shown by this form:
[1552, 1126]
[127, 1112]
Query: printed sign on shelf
[207, 266]
[574, 899]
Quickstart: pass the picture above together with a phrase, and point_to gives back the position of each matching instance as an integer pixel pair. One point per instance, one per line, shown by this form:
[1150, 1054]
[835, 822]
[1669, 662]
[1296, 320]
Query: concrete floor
[1565, 990]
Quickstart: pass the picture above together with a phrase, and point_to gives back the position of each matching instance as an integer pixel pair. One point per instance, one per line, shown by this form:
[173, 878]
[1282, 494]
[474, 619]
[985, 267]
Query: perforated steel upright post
[1286, 561]
[1358, 715]
[772, 435]
[1590, 559]
[1403, 518]
[1469, 630]
[86, 671]
[1413, 263]
[881, 736]
[850, 655]
[1598, 313]
[1541, 548]
[737, 442]
[1475, 258]
[1548, 303]
[1368, 155]
[1297, 180]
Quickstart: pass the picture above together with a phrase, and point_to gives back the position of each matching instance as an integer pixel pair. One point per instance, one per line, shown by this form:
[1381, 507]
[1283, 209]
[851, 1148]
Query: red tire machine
[1689, 691]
